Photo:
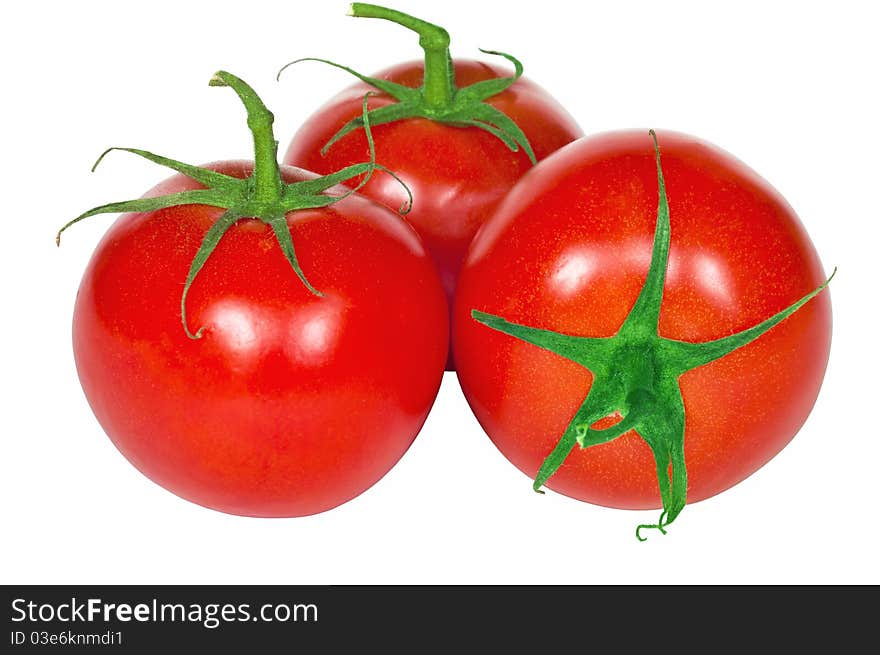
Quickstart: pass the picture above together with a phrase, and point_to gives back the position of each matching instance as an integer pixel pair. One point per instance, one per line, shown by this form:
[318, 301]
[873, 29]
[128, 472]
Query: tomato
[289, 402]
[568, 253]
[457, 174]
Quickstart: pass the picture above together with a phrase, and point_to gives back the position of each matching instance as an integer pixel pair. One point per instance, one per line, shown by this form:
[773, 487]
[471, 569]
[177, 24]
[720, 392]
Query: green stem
[437, 98]
[268, 186]
[439, 84]
[645, 314]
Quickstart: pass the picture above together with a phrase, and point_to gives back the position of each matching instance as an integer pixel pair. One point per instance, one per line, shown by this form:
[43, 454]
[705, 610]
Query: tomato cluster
[638, 320]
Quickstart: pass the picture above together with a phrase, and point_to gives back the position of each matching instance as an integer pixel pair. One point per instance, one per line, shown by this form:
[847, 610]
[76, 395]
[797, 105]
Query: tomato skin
[456, 175]
[568, 250]
[289, 404]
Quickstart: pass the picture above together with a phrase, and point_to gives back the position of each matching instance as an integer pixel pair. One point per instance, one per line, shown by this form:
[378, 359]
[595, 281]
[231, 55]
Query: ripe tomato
[568, 251]
[289, 404]
[457, 174]
[309, 371]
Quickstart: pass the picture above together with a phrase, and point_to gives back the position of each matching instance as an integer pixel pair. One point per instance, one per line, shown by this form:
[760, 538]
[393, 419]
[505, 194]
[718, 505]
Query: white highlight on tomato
[314, 330]
[712, 277]
[573, 271]
[234, 323]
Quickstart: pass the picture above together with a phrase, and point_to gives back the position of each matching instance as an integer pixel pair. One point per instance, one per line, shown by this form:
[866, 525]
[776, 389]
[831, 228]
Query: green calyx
[438, 99]
[635, 374]
[263, 195]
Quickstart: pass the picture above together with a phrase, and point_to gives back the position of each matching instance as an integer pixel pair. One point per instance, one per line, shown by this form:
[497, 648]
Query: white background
[790, 88]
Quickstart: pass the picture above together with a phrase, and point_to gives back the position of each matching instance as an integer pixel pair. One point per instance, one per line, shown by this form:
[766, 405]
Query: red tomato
[569, 250]
[290, 403]
[457, 174]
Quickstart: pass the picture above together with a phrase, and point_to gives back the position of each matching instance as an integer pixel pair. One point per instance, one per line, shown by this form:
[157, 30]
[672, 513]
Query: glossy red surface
[569, 249]
[290, 404]
[456, 175]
